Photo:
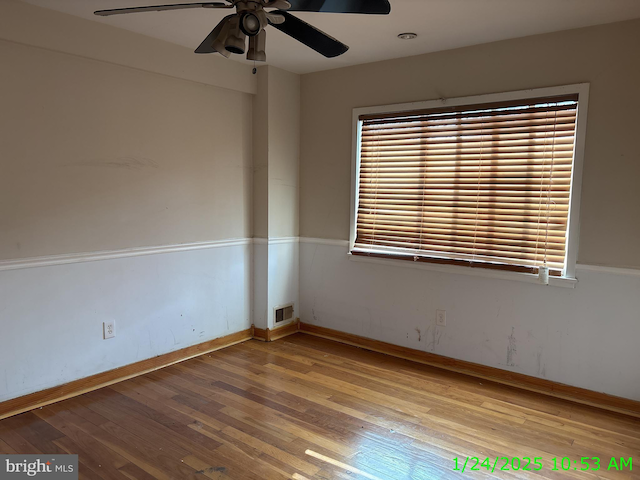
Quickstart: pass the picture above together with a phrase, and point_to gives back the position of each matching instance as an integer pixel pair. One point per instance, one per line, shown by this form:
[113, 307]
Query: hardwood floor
[308, 408]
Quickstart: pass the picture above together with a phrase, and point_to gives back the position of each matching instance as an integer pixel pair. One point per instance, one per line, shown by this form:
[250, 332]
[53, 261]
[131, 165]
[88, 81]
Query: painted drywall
[96, 156]
[605, 56]
[284, 152]
[275, 278]
[51, 317]
[260, 279]
[113, 154]
[585, 337]
[260, 211]
[40, 27]
[276, 154]
[276, 150]
[284, 159]
[283, 277]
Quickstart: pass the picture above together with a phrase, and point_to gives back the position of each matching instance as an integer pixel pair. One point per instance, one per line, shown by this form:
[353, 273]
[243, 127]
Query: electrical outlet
[109, 329]
[441, 318]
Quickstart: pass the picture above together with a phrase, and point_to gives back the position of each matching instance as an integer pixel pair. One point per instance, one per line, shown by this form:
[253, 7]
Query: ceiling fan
[252, 16]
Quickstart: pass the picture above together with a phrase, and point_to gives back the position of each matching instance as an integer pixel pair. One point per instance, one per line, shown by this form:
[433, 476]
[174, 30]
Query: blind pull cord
[475, 227]
[553, 155]
[377, 183]
[544, 270]
[424, 189]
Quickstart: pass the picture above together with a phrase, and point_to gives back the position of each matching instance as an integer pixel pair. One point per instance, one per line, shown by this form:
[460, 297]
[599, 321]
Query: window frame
[573, 227]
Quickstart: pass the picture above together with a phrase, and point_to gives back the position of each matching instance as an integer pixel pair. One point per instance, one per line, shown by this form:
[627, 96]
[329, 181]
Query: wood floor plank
[236, 455]
[14, 440]
[98, 460]
[5, 449]
[134, 472]
[36, 431]
[307, 408]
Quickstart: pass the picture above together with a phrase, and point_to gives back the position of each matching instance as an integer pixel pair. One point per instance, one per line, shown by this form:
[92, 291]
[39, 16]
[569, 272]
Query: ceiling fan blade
[159, 8]
[207, 44]
[279, 4]
[274, 18]
[310, 35]
[374, 7]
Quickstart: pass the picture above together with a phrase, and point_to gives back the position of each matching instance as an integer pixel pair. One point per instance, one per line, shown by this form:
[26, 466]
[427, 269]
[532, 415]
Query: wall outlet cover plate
[109, 329]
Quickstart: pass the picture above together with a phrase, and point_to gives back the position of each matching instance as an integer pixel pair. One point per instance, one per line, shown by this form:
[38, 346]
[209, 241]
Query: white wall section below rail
[585, 337]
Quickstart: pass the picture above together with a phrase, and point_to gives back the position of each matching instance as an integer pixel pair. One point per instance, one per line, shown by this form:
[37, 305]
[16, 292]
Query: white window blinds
[481, 185]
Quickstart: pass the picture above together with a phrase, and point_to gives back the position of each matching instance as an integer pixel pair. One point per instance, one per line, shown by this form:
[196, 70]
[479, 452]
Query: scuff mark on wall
[511, 349]
[426, 334]
[436, 335]
[539, 360]
[419, 334]
[542, 366]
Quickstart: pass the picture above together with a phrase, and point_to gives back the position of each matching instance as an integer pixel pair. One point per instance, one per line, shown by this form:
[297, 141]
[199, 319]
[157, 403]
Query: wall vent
[284, 313]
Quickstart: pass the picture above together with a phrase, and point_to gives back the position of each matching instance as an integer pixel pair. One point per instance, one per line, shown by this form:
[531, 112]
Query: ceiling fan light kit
[251, 24]
[252, 17]
[236, 40]
[257, 45]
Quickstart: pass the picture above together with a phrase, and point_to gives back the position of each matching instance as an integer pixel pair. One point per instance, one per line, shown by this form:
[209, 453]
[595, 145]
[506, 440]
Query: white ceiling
[440, 25]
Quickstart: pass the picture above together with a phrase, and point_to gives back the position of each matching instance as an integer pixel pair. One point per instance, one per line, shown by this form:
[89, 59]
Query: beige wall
[284, 152]
[606, 56]
[276, 153]
[260, 210]
[137, 147]
[96, 156]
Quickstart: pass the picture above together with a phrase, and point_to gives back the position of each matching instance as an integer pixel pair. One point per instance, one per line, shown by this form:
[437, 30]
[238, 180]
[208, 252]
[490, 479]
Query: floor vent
[284, 313]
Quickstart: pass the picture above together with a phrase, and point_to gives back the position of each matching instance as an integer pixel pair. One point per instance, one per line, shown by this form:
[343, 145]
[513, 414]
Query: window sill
[566, 282]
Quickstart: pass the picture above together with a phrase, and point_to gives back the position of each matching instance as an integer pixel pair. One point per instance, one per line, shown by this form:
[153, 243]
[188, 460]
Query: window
[489, 181]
